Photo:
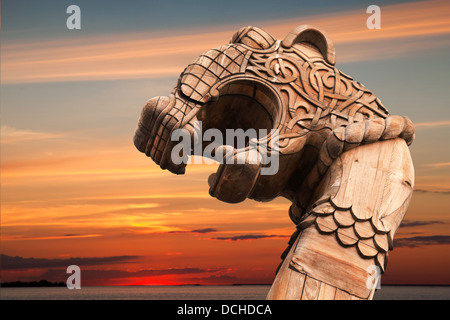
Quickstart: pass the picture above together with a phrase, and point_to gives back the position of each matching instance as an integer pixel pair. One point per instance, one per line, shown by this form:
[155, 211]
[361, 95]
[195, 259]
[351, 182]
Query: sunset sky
[75, 190]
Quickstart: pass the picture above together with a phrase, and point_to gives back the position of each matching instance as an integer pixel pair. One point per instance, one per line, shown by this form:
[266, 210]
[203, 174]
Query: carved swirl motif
[320, 112]
[318, 83]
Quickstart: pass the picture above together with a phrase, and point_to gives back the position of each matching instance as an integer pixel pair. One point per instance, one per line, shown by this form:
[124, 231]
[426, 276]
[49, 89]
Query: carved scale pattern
[349, 230]
[327, 109]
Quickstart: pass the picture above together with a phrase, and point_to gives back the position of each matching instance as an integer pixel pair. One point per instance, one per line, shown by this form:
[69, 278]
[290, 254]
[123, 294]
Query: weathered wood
[282, 285]
[326, 292]
[344, 218]
[322, 257]
[343, 264]
[311, 289]
[297, 282]
[364, 229]
[347, 236]
[342, 295]
[341, 158]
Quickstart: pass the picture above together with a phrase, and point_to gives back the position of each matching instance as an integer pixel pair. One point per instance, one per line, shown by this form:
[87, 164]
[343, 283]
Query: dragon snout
[145, 133]
[159, 117]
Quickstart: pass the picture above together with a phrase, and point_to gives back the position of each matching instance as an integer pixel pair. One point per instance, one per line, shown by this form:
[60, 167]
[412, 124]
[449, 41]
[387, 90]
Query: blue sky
[44, 18]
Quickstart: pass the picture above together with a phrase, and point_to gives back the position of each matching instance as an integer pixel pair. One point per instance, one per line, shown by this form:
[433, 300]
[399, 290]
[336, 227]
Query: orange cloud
[439, 164]
[13, 135]
[406, 28]
[432, 124]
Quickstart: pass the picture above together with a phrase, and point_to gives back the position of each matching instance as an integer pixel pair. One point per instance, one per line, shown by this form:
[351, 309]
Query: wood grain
[342, 159]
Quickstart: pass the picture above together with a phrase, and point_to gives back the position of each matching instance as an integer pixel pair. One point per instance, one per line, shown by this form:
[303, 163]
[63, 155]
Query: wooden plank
[295, 286]
[342, 295]
[311, 289]
[365, 171]
[399, 186]
[280, 285]
[326, 292]
[321, 257]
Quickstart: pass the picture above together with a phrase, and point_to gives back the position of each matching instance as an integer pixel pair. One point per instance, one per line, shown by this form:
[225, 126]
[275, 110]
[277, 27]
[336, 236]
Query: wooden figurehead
[343, 160]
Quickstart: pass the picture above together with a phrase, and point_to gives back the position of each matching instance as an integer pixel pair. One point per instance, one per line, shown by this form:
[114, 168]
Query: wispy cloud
[432, 124]
[439, 164]
[432, 184]
[407, 27]
[204, 230]
[432, 190]
[59, 237]
[14, 263]
[249, 237]
[418, 241]
[407, 223]
[13, 135]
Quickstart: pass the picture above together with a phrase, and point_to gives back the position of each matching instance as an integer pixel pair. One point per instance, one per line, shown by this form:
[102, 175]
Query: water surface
[244, 292]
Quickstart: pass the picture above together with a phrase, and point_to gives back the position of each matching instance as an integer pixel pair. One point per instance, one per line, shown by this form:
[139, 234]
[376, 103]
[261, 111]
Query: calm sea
[244, 292]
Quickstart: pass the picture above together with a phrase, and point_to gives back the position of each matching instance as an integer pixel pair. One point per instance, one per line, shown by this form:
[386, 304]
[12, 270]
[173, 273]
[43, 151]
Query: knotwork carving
[343, 159]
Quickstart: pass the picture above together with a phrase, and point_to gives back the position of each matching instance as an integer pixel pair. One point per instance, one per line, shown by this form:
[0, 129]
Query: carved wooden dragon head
[258, 82]
[319, 113]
